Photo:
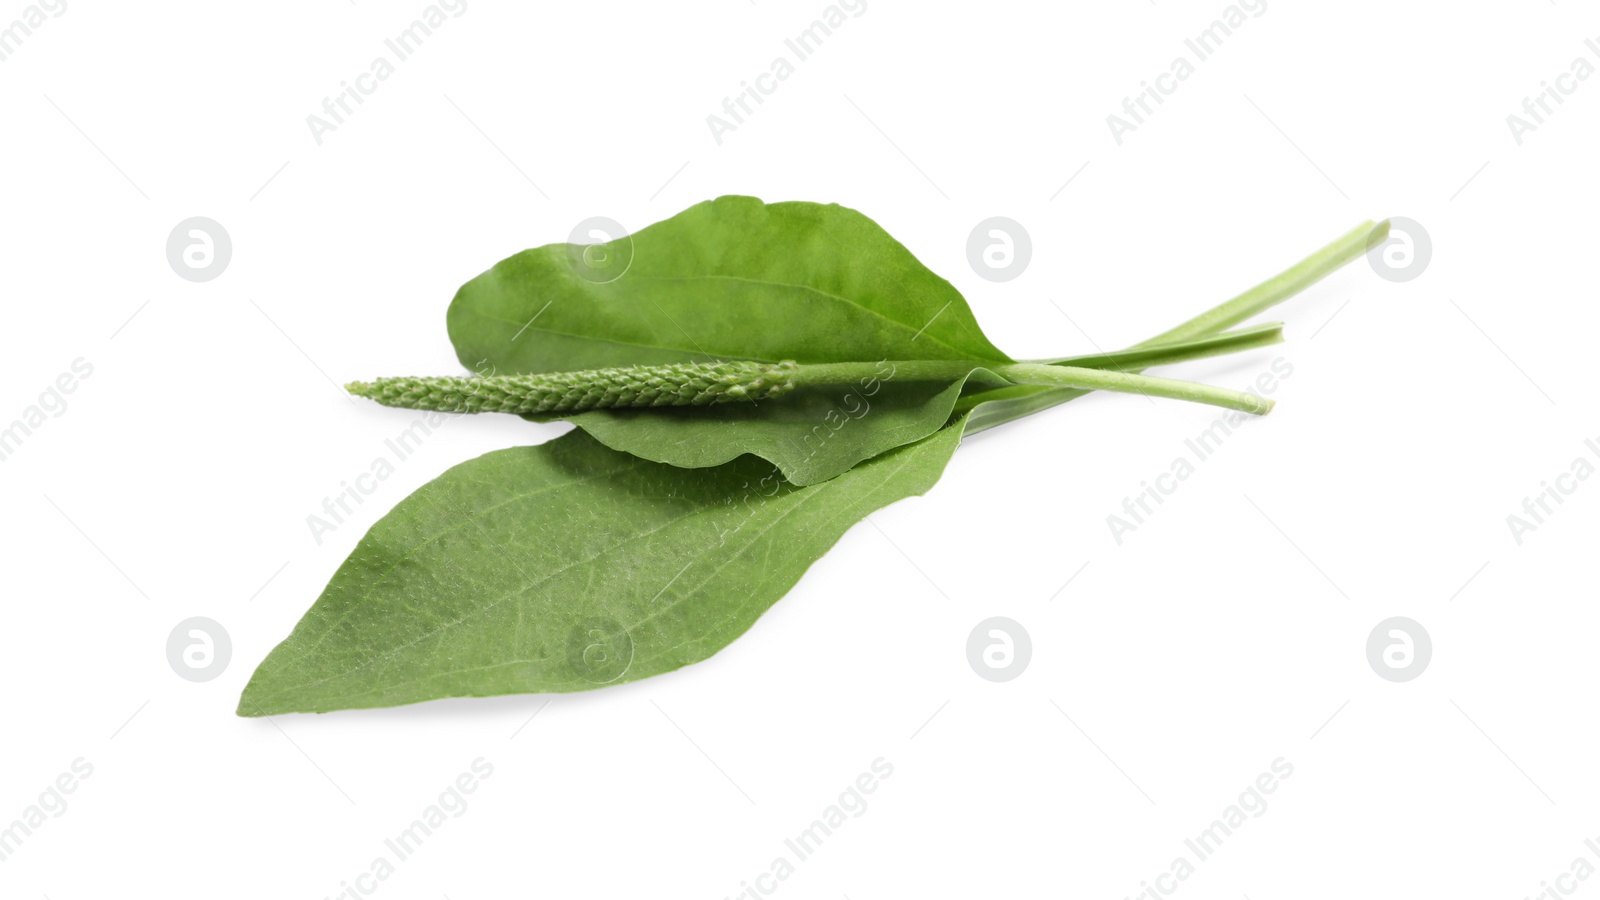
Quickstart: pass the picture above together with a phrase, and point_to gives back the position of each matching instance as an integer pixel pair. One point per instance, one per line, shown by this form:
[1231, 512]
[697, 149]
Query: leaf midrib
[436, 537]
[884, 482]
[498, 600]
[822, 293]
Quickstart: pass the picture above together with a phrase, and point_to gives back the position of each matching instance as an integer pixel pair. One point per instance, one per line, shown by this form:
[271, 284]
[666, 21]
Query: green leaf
[811, 435]
[565, 567]
[731, 278]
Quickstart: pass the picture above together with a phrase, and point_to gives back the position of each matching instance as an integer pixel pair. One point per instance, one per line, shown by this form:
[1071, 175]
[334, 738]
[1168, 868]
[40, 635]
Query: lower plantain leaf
[564, 567]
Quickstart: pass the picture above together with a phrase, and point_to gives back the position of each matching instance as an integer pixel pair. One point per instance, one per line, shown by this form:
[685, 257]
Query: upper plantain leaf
[729, 278]
[564, 567]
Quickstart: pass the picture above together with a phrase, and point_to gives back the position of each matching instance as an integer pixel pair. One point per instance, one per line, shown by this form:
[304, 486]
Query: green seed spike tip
[676, 384]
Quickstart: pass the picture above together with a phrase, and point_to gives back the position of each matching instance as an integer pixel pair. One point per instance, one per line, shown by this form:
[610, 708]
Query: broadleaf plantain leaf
[564, 567]
[730, 278]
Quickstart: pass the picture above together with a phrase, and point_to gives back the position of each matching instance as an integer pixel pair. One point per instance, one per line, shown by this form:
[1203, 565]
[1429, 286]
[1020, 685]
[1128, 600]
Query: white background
[1226, 632]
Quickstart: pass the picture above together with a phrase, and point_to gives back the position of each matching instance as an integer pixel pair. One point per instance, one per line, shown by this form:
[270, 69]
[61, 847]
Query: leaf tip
[254, 702]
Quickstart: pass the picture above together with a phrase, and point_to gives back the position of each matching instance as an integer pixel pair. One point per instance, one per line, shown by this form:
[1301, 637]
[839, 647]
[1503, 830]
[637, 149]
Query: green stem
[1032, 374]
[1182, 351]
[1121, 360]
[1133, 383]
[1003, 405]
[1352, 245]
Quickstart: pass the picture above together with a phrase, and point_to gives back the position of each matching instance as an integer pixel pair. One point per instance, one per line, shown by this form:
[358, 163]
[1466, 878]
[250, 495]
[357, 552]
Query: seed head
[675, 384]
